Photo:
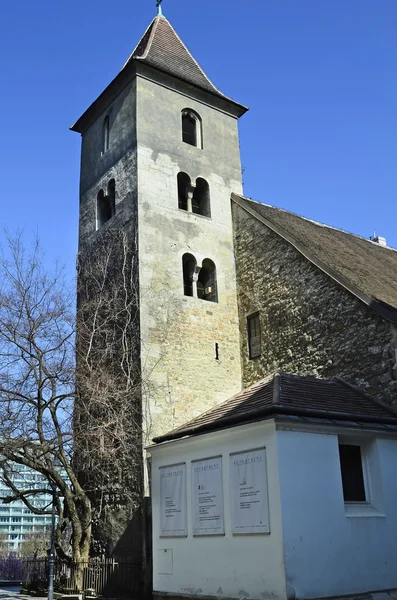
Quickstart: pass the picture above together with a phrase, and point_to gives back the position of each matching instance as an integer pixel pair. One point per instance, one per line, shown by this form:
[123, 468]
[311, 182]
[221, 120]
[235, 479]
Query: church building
[188, 292]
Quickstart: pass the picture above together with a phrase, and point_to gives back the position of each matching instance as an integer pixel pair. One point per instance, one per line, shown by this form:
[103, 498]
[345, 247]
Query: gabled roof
[294, 396]
[366, 269]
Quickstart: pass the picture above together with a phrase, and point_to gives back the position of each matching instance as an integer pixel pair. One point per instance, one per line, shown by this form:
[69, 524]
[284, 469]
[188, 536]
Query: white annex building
[287, 490]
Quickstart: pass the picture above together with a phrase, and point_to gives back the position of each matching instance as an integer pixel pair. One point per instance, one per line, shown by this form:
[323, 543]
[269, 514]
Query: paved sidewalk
[13, 593]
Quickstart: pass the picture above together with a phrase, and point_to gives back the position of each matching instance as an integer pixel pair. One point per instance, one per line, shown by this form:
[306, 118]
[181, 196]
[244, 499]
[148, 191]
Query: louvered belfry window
[254, 335]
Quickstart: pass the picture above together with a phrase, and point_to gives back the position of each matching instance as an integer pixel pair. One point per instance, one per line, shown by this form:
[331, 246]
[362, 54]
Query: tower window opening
[201, 198]
[183, 190]
[189, 268]
[105, 134]
[206, 283]
[105, 208]
[216, 351]
[254, 335]
[191, 128]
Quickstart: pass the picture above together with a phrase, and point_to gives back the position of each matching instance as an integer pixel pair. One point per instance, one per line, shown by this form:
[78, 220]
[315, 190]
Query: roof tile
[292, 395]
[361, 263]
[161, 47]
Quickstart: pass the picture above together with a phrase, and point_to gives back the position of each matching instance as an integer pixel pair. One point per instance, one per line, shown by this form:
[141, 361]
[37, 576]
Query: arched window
[206, 284]
[105, 205]
[191, 128]
[183, 190]
[201, 198]
[189, 268]
[105, 134]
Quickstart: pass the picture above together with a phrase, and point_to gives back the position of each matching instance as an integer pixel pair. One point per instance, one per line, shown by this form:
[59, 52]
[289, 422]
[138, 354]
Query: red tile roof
[291, 395]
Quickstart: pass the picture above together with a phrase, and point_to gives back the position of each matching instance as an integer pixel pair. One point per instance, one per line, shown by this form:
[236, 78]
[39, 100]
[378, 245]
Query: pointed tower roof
[161, 47]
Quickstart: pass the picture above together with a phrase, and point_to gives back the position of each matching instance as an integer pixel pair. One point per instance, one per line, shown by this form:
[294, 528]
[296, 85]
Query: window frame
[363, 474]
[250, 318]
[105, 135]
[373, 506]
[199, 133]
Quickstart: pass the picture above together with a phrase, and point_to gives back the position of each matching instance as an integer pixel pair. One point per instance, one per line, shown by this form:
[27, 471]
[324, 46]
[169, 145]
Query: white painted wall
[327, 552]
[239, 566]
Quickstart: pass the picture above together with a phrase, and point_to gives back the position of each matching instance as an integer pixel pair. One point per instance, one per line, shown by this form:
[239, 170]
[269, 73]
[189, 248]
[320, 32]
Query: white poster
[248, 481]
[207, 497]
[173, 501]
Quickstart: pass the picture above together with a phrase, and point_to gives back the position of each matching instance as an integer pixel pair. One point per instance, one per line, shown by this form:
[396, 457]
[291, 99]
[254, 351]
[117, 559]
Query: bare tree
[80, 428]
[108, 413]
[37, 389]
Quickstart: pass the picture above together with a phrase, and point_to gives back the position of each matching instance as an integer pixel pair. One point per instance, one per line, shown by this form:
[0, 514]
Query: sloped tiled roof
[291, 395]
[364, 267]
[161, 47]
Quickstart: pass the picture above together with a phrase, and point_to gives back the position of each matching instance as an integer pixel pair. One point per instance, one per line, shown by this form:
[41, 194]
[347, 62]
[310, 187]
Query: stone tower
[160, 158]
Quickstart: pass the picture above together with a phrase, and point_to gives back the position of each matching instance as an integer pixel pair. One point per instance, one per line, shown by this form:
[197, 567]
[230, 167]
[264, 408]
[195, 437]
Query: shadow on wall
[128, 578]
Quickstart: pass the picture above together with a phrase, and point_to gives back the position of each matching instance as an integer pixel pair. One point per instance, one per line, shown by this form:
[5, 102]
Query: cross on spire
[159, 10]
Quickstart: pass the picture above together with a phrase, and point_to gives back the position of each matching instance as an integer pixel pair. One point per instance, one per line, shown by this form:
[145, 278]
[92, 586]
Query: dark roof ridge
[286, 210]
[387, 311]
[149, 30]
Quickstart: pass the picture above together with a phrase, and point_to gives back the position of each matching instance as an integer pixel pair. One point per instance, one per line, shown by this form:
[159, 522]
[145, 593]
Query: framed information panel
[173, 501]
[249, 494]
[207, 497]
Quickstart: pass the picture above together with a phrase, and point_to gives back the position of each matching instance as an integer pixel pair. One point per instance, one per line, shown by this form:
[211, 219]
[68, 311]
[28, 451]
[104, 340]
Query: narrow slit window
[351, 466]
[189, 268]
[105, 134]
[206, 283]
[254, 335]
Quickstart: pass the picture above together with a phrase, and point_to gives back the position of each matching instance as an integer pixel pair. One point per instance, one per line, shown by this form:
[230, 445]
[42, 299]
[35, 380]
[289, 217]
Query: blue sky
[319, 76]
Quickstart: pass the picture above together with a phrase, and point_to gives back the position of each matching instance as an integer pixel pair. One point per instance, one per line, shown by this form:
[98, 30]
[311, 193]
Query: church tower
[160, 158]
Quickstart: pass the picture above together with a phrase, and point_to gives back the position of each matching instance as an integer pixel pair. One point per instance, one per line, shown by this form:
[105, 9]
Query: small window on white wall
[351, 464]
[361, 480]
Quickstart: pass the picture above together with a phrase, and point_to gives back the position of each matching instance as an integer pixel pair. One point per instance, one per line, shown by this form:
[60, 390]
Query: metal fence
[99, 577]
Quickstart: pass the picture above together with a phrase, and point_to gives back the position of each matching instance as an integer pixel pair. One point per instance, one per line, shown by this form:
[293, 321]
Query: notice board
[173, 501]
[249, 493]
[207, 497]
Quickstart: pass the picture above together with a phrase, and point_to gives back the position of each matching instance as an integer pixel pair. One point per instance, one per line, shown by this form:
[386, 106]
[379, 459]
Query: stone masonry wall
[182, 376]
[310, 325]
[117, 493]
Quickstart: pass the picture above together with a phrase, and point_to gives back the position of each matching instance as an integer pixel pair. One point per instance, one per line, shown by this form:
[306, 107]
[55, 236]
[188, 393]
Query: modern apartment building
[16, 520]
